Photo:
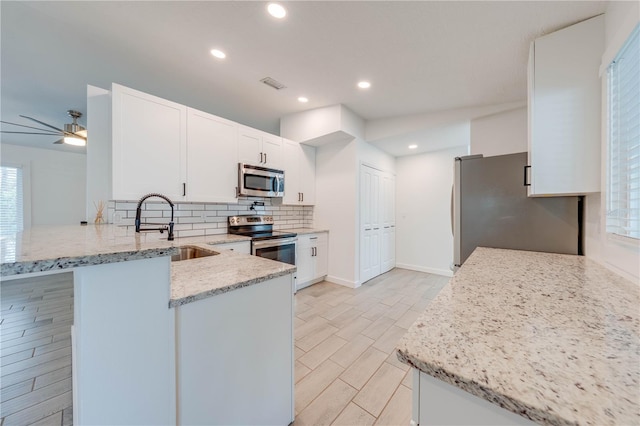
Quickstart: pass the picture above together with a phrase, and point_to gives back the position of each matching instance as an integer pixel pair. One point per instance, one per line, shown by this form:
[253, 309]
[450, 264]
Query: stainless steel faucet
[166, 227]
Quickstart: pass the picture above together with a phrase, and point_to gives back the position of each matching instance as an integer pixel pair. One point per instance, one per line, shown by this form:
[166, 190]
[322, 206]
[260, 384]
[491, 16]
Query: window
[623, 169]
[11, 200]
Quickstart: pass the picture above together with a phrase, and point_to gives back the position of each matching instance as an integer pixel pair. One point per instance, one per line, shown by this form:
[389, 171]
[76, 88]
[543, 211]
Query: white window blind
[11, 201]
[623, 171]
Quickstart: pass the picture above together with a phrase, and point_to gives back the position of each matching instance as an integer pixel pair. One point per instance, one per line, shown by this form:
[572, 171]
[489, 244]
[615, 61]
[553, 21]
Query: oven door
[280, 250]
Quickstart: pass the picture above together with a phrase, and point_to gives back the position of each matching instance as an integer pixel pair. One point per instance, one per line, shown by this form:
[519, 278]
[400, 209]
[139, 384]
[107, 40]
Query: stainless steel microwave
[260, 181]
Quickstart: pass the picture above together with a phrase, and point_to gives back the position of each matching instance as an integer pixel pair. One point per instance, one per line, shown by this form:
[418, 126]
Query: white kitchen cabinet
[212, 158]
[239, 247]
[299, 162]
[235, 357]
[149, 145]
[312, 259]
[259, 148]
[377, 222]
[565, 110]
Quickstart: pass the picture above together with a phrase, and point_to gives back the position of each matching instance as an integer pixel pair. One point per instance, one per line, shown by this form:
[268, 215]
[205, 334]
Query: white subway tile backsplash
[194, 219]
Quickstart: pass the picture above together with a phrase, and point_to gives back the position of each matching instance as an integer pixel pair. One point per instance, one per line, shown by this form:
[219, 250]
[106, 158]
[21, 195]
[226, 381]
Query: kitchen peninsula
[553, 338]
[150, 335]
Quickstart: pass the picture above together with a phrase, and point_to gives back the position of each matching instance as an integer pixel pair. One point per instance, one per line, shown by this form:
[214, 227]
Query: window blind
[11, 201]
[623, 171]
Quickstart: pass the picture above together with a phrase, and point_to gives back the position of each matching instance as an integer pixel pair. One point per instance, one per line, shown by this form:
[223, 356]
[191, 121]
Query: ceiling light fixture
[276, 10]
[413, 146]
[303, 99]
[75, 141]
[364, 84]
[218, 53]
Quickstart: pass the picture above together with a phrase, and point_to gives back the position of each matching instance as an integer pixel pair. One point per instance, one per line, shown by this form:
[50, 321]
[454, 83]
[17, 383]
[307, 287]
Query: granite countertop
[53, 248]
[197, 279]
[304, 231]
[554, 338]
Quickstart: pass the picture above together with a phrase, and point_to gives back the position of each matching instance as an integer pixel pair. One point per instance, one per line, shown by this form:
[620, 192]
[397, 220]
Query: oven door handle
[274, 243]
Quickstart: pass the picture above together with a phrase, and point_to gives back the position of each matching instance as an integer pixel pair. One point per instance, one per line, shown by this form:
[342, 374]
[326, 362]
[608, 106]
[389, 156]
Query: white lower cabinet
[312, 259]
[235, 356]
[243, 247]
[438, 403]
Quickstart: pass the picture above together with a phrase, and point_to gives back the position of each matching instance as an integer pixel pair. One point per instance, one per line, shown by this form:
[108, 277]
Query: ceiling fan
[72, 134]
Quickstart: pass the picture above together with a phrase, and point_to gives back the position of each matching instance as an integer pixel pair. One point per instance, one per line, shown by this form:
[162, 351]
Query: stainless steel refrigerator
[490, 208]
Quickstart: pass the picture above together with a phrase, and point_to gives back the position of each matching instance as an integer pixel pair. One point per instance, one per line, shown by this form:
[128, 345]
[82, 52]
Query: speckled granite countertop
[62, 247]
[201, 278]
[555, 338]
[304, 231]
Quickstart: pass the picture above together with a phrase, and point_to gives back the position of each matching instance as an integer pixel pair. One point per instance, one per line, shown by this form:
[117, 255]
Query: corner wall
[500, 134]
[424, 241]
[336, 207]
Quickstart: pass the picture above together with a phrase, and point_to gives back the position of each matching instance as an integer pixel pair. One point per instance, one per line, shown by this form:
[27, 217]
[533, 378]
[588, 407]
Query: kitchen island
[552, 338]
[142, 330]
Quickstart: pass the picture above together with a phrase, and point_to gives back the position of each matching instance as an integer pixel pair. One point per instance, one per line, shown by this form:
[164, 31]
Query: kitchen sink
[192, 252]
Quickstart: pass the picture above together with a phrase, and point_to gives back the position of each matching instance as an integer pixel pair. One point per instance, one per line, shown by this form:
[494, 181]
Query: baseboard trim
[443, 272]
[343, 282]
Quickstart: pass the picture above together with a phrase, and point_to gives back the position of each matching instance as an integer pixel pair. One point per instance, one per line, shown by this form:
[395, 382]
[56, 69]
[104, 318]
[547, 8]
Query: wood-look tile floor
[35, 350]
[346, 370]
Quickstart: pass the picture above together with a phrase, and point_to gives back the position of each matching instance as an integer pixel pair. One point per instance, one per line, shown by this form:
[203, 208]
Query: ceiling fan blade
[59, 141]
[43, 123]
[29, 133]
[29, 127]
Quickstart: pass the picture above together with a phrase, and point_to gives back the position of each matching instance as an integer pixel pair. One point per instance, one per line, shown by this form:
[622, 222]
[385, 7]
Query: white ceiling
[420, 56]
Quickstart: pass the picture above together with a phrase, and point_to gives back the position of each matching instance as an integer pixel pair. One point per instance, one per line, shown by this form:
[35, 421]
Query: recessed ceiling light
[413, 146]
[303, 99]
[218, 53]
[364, 84]
[276, 10]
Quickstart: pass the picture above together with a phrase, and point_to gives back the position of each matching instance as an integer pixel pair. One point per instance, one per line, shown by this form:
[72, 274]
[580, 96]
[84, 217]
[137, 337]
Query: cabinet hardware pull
[184, 189]
[298, 196]
[525, 176]
[261, 158]
[302, 197]
[313, 238]
[265, 158]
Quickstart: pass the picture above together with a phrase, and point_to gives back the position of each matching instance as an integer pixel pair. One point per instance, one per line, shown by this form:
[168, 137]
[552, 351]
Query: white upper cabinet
[212, 158]
[565, 110]
[299, 162]
[149, 145]
[259, 148]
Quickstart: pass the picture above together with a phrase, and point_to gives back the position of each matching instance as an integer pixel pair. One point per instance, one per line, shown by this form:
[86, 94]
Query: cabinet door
[565, 110]
[291, 155]
[149, 145]
[250, 146]
[308, 174]
[388, 249]
[212, 158]
[304, 261]
[321, 256]
[272, 151]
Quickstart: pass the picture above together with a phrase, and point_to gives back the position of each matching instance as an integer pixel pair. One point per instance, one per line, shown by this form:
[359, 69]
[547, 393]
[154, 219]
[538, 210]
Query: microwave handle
[276, 184]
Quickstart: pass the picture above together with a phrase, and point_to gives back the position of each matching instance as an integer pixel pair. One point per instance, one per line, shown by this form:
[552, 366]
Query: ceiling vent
[273, 83]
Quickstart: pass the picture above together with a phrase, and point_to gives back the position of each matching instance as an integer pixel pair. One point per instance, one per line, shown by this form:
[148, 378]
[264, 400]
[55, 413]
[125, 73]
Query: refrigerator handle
[451, 212]
[525, 176]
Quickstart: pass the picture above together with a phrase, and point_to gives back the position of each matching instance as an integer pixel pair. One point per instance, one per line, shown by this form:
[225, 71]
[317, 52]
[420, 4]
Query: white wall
[616, 254]
[423, 218]
[499, 134]
[57, 183]
[98, 149]
[336, 207]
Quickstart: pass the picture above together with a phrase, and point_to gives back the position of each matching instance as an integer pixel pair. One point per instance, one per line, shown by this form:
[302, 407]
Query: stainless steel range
[265, 242]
